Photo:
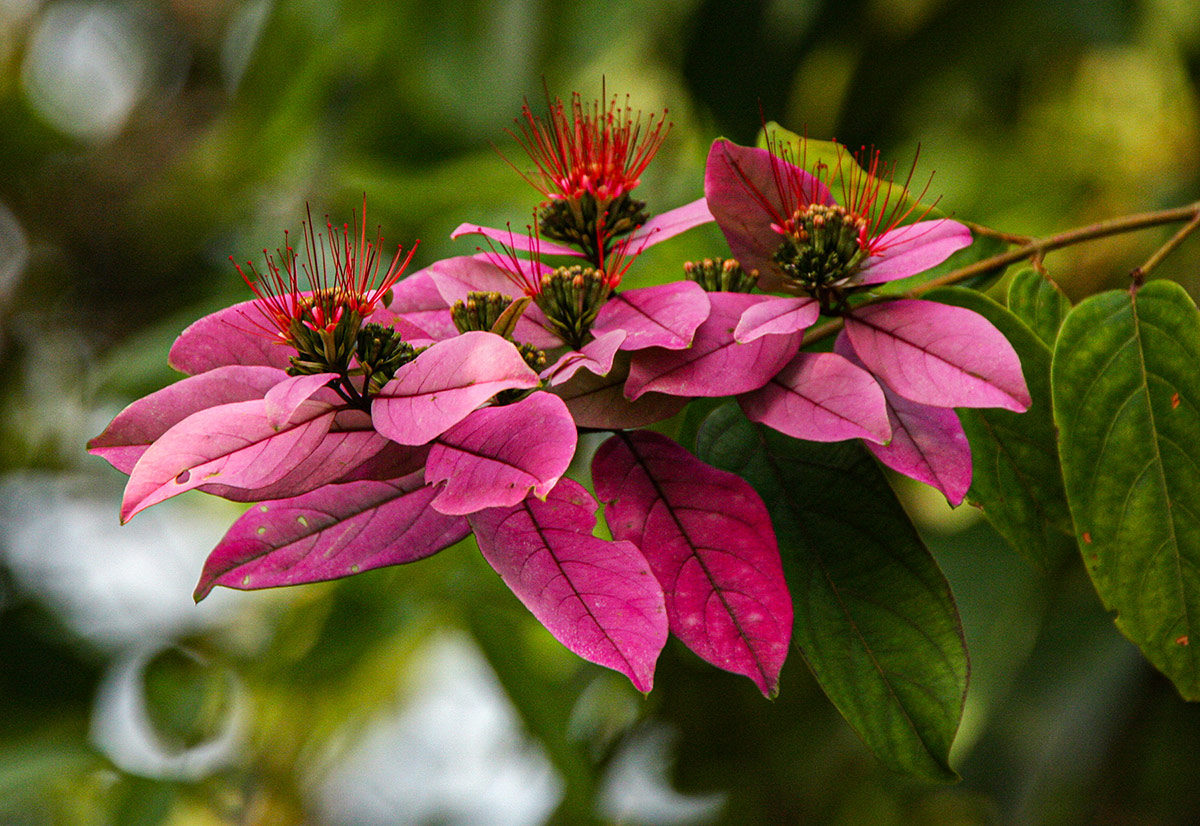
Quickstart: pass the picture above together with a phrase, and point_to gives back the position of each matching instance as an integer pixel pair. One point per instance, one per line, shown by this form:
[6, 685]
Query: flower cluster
[376, 420]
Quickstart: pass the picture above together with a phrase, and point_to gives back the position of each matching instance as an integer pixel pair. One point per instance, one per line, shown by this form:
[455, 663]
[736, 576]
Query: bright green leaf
[875, 619]
[1127, 403]
[1016, 477]
[1038, 302]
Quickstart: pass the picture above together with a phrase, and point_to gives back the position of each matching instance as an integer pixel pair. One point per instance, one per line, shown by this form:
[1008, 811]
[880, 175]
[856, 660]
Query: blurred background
[143, 143]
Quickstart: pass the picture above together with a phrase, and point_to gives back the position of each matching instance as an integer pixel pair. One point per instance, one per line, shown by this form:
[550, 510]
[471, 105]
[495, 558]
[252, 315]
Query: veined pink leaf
[665, 315]
[597, 598]
[669, 224]
[735, 179]
[232, 444]
[495, 456]
[596, 356]
[928, 443]
[391, 462]
[938, 355]
[235, 335]
[416, 299]
[133, 430]
[514, 240]
[821, 397]
[457, 277]
[715, 364]
[913, 248]
[774, 315]
[441, 386]
[599, 401]
[283, 399]
[333, 532]
[708, 539]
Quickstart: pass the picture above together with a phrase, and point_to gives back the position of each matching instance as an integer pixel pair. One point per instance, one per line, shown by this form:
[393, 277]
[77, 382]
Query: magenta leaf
[928, 443]
[938, 355]
[742, 189]
[333, 532]
[457, 277]
[599, 401]
[441, 386]
[709, 541]
[283, 399]
[596, 356]
[125, 440]
[666, 315]
[597, 598]
[821, 397]
[418, 300]
[669, 224]
[495, 456]
[774, 315]
[234, 335]
[715, 364]
[514, 240]
[232, 444]
[391, 462]
[911, 249]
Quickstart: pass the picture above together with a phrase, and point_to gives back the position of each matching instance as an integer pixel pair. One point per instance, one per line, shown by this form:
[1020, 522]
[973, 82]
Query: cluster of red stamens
[600, 150]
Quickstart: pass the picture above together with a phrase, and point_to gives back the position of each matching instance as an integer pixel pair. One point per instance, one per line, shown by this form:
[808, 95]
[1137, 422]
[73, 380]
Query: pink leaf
[911, 249]
[715, 364]
[709, 541]
[938, 355]
[232, 444]
[597, 598]
[234, 335]
[457, 277]
[666, 315]
[775, 315]
[495, 456]
[129, 435]
[513, 239]
[742, 187]
[417, 300]
[669, 224]
[441, 386]
[596, 356]
[391, 462]
[821, 397]
[283, 399]
[333, 532]
[928, 443]
[599, 401]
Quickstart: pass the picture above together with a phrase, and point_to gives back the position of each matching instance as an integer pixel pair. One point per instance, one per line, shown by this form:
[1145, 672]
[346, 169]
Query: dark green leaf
[1038, 302]
[1016, 477]
[1127, 403]
[874, 616]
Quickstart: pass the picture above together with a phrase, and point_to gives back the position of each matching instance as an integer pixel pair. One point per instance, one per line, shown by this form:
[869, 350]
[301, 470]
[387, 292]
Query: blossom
[901, 365]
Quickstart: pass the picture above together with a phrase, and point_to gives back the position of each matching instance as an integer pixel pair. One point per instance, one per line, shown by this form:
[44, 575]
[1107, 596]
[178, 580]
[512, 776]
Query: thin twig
[1138, 274]
[1008, 237]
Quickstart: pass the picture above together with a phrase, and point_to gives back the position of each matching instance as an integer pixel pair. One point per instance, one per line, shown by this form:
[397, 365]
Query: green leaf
[875, 619]
[1127, 403]
[1016, 477]
[1038, 301]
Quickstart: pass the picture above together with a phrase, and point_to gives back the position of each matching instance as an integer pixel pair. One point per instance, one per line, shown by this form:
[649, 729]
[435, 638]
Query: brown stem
[1138, 275]
[1008, 237]
[1038, 247]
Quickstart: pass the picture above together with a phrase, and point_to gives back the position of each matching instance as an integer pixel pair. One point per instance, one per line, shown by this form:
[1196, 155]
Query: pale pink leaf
[133, 430]
[456, 278]
[598, 598]
[596, 356]
[496, 456]
[669, 224]
[821, 397]
[775, 315]
[911, 249]
[715, 364]
[599, 401]
[333, 532]
[232, 444]
[283, 399]
[928, 443]
[742, 187]
[708, 539]
[240, 334]
[417, 300]
[514, 240]
[441, 386]
[938, 355]
[665, 315]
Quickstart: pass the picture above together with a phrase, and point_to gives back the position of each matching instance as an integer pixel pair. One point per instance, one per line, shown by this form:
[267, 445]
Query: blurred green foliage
[144, 143]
